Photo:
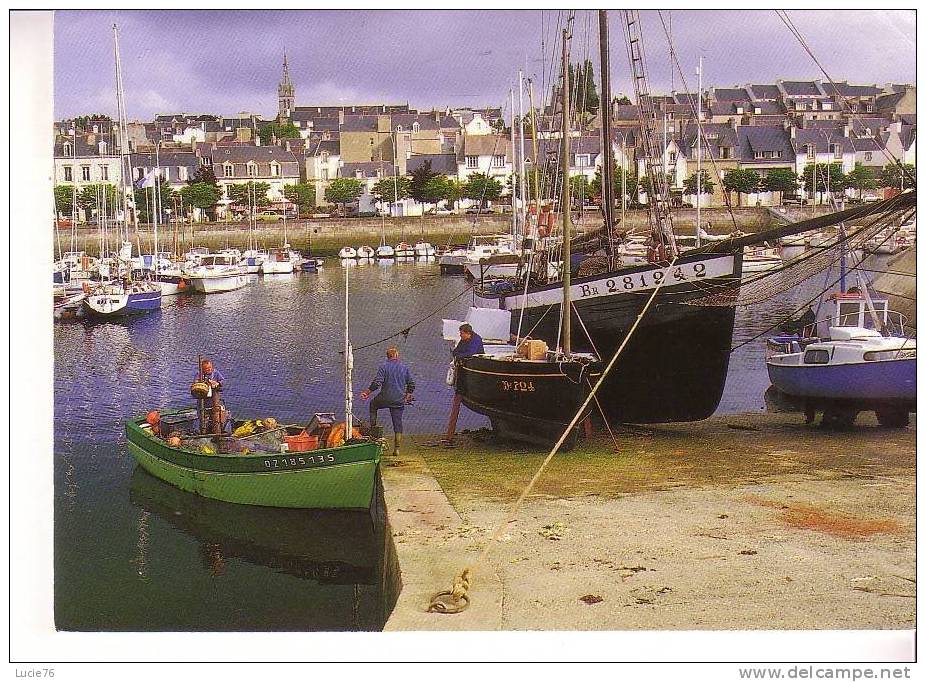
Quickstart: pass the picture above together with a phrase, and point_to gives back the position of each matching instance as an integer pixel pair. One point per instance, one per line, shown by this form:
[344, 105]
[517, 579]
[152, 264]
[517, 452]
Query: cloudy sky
[229, 61]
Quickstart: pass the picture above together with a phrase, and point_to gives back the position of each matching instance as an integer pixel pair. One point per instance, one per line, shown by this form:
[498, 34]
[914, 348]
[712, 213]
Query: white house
[488, 154]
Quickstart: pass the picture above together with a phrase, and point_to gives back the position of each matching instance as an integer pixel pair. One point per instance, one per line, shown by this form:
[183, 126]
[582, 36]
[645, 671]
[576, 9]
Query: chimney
[436, 116]
[288, 147]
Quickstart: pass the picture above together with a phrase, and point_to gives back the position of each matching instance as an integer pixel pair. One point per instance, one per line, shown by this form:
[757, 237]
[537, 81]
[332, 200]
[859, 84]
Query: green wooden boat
[329, 478]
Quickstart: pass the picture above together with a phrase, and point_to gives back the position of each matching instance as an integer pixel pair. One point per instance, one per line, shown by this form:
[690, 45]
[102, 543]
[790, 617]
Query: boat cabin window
[816, 357]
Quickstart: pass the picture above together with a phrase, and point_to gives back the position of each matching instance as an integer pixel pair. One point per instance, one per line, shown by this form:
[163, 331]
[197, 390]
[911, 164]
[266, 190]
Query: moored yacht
[215, 273]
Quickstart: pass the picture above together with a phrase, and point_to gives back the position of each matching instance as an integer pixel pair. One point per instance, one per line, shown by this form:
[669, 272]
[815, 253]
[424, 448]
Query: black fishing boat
[527, 391]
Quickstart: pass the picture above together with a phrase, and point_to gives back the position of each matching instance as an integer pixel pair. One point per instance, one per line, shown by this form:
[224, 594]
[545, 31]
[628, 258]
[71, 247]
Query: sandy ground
[748, 522]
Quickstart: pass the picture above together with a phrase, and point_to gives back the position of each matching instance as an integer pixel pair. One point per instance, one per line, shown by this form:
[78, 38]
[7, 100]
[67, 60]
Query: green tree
[579, 186]
[251, 193]
[204, 174]
[619, 177]
[390, 190]
[782, 180]
[201, 195]
[827, 176]
[92, 198]
[302, 194]
[343, 191]
[267, 132]
[419, 179]
[742, 181]
[456, 190]
[582, 82]
[64, 200]
[862, 179]
[436, 189]
[691, 183]
[143, 197]
[898, 176]
[480, 187]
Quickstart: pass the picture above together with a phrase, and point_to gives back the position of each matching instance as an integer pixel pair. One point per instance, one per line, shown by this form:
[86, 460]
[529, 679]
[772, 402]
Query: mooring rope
[457, 598]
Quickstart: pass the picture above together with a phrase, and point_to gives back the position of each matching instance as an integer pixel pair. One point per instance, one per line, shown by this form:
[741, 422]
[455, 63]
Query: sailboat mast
[125, 165]
[607, 170]
[522, 181]
[157, 204]
[565, 201]
[698, 220]
[535, 169]
[348, 362]
[514, 170]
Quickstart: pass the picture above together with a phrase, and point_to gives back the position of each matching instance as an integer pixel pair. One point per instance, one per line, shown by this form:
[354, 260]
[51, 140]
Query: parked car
[269, 216]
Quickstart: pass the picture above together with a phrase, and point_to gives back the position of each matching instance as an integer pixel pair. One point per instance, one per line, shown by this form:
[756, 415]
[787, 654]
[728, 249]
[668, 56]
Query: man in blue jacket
[396, 388]
[470, 343]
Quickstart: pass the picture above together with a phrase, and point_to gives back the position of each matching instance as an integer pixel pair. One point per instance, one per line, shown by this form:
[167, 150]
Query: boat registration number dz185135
[294, 462]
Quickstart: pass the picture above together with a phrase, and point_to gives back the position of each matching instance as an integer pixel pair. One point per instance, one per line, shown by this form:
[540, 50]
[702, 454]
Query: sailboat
[528, 391]
[122, 296]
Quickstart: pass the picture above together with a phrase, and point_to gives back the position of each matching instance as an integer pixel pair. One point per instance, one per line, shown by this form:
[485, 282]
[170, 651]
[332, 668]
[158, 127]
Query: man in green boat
[215, 413]
[397, 387]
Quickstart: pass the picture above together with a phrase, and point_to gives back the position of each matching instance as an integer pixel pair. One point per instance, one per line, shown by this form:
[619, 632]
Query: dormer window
[68, 149]
[810, 151]
[827, 106]
[104, 148]
[836, 150]
[358, 174]
[758, 110]
[800, 106]
[583, 160]
[228, 170]
[399, 128]
[325, 157]
[252, 169]
[274, 169]
[415, 127]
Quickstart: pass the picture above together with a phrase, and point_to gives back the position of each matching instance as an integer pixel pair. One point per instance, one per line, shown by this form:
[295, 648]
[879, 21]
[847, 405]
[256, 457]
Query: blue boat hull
[136, 303]
[886, 382]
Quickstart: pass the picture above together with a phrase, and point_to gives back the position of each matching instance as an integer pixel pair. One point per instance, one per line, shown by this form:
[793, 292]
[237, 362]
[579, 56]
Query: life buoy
[336, 435]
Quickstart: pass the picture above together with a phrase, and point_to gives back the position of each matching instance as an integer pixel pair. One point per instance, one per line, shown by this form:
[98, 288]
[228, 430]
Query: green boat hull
[331, 478]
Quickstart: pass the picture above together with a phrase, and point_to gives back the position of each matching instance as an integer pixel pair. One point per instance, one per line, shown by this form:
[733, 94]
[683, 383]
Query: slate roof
[333, 147]
[485, 145]
[762, 91]
[847, 90]
[367, 169]
[83, 147]
[359, 124]
[165, 159]
[408, 120]
[761, 139]
[867, 144]
[889, 102]
[725, 137]
[801, 89]
[445, 164]
[730, 94]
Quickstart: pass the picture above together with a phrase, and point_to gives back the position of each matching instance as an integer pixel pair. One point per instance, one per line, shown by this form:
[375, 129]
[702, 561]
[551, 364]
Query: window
[800, 106]
[228, 170]
[275, 169]
[673, 157]
[85, 173]
[324, 173]
[104, 148]
[726, 152]
[104, 173]
[472, 162]
[827, 106]
[810, 151]
[868, 156]
[165, 173]
[758, 110]
[498, 160]
[68, 174]
[252, 169]
[836, 150]
[398, 128]
[358, 174]
[68, 149]
[182, 173]
[583, 160]
[816, 357]
[415, 127]
[868, 106]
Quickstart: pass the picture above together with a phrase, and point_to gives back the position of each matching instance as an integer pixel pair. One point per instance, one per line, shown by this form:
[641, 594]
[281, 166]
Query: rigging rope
[457, 599]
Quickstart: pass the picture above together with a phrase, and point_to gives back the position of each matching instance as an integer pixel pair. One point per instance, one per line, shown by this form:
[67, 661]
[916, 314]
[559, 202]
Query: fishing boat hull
[531, 401]
[331, 478]
[674, 366]
[217, 283]
[882, 383]
[124, 303]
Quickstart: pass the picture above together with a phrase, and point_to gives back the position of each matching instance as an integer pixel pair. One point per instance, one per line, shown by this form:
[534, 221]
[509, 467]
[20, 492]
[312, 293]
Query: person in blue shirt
[470, 343]
[396, 388]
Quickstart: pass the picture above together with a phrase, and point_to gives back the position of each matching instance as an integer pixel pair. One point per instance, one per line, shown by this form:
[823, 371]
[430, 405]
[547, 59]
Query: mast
[698, 220]
[565, 205]
[522, 181]
[125, 165]
[348, 362]
[535, 170]
[157, 204]
[514, 171]
[607, 169]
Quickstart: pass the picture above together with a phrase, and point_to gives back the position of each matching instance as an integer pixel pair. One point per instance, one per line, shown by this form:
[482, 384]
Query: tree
[828, 176]
[623, 100]
[144, 197]
[390, 190]
[251, 193]
[480, 187]
[436, 189]
[93, 198]
[419, 179]
[691, 183]
[456, 190]
[742, 181]
[619, 177]
[204, 174]
[343, 190]
[783, 180]
[64, 199]
[267, 132]
[201, 195]
[579, 186]
[582, 82]
[302, 194]
[862, 179]
[898, 176]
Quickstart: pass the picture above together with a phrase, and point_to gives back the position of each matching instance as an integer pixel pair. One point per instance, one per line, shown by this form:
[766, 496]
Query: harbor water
[135, 554]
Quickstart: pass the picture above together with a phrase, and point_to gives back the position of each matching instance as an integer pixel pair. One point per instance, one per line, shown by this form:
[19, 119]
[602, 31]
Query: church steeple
[286, 93]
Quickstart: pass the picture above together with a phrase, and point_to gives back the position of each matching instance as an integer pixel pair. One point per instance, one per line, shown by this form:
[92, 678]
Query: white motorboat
[253, 260]
[347, 252]
[404, 251]
[385, 251]
[365, 252]
[278, 262]
[216, 273]
[424, 250]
